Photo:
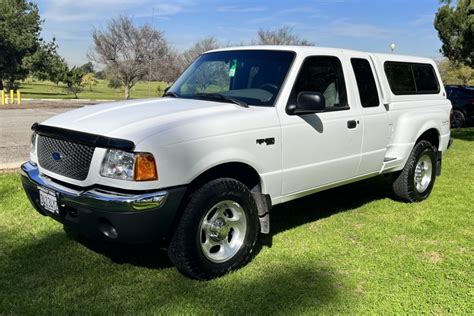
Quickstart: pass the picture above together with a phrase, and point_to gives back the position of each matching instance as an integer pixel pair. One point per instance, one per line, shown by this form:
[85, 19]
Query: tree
[168, 68]
[47, 64]
[89, 80]
[114, 83]
[455, 26]
[281, 36]
[199, 47]
[73, 81]
[20, 27]
[127, 50]
[453, 73]
[88, 68]
[101, 75]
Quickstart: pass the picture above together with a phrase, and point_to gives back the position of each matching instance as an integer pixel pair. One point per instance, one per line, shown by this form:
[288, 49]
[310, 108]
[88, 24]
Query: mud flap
[264, 204]
[439, 159]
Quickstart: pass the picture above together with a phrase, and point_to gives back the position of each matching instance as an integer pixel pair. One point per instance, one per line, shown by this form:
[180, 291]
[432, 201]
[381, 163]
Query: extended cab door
[323, 148]
[374, 116]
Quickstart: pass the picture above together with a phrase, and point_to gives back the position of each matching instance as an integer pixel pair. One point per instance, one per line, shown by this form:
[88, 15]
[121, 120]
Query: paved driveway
[15, 133]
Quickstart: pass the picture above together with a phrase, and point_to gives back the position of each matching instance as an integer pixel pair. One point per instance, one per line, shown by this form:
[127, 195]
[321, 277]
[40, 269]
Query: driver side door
[320, 149]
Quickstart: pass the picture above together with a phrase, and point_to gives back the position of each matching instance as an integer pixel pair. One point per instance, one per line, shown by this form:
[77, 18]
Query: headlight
[33, 144]
[123, 165]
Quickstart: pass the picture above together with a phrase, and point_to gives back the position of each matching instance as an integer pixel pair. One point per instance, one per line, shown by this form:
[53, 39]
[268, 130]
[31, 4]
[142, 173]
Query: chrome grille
[66, 158]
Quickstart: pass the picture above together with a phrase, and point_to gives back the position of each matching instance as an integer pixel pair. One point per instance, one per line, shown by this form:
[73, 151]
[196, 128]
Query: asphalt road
[15, 133]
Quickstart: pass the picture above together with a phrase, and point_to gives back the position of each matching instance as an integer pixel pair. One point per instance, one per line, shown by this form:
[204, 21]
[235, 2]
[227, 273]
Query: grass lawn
[48, 90]
[348, 250]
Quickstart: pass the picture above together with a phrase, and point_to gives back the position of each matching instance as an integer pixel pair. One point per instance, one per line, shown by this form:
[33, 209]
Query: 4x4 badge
[268, 141]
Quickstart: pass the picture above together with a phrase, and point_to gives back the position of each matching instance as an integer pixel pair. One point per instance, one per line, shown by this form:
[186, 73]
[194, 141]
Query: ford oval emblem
[57, 156]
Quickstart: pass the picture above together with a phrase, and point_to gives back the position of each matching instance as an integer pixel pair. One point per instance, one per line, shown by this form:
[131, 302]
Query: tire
[415, 182]
[217, 232]
[458, 120]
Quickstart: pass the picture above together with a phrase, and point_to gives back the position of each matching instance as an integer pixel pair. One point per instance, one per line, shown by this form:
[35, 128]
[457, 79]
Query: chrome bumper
[97, 198]
[106, 215]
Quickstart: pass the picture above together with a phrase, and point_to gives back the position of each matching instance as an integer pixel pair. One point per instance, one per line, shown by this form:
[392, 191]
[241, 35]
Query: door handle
[352, 124]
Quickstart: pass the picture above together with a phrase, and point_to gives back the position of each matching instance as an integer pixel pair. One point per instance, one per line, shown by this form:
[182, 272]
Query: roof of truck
[317, 49]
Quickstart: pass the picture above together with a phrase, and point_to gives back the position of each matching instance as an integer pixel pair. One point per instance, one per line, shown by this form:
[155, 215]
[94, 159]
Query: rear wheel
[458, 120]
[217, 231]
[415, 182]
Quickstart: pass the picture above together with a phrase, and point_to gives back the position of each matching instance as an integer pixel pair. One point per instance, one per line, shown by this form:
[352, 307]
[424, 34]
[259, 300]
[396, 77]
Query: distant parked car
[462, 99]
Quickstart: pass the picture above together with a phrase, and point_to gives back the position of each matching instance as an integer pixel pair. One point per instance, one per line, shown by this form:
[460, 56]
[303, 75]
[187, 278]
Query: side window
[369, 96]
[400, 78]
[425, 78]
[322, 74]
[411, 78]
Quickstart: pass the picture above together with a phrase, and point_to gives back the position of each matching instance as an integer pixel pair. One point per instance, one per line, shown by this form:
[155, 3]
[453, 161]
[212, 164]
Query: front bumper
[106, 215]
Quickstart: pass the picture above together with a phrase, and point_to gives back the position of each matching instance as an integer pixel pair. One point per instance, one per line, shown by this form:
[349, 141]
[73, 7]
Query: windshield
[250, 76]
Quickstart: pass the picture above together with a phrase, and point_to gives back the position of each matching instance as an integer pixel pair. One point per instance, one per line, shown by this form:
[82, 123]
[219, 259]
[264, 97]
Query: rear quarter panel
[412, 115]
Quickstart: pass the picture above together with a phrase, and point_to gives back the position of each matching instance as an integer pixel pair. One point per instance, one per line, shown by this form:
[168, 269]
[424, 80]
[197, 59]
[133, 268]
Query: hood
[138, 119]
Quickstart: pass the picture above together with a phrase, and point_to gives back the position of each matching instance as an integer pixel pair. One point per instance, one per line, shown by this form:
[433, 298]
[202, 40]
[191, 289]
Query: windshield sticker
[233, 67]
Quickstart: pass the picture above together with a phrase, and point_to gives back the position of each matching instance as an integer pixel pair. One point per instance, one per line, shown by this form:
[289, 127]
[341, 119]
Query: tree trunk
[127, 91]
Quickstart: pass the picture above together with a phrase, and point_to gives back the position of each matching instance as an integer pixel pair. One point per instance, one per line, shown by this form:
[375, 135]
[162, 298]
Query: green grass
[48, 90]
[348, 250]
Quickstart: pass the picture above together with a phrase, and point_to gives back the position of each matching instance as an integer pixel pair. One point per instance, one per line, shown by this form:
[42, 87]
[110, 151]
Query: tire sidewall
[421, 150]
[200, 204]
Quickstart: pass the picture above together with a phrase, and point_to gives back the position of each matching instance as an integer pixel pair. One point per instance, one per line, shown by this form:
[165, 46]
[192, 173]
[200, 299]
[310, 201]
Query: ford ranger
[241, 130]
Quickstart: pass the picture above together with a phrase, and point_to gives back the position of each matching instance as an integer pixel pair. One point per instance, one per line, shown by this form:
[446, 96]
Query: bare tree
[169, 67]
[281, 36]
[127, 50]
[174, 63]
[201, 46]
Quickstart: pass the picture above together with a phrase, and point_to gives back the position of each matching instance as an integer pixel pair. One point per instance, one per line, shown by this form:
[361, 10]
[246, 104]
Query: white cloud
[83, 11]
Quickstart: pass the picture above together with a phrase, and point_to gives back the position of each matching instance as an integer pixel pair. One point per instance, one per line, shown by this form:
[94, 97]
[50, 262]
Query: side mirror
[307, 103]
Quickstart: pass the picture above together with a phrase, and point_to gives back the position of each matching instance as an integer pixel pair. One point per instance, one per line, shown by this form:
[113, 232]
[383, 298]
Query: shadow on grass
[150, 256]
[326, 203]
[463, 133]
[55, 275]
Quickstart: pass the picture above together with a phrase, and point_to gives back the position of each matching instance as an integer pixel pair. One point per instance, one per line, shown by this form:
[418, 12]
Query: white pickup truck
[242, 129]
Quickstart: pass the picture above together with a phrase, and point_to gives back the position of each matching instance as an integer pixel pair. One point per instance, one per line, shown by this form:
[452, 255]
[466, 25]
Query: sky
[366, 25]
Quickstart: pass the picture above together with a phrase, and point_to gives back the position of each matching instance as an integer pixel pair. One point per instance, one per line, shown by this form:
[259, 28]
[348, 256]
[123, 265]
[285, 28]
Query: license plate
[48, 200]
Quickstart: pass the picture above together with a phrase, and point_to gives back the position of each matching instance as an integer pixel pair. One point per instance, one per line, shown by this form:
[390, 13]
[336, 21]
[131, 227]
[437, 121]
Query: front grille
[66, 158]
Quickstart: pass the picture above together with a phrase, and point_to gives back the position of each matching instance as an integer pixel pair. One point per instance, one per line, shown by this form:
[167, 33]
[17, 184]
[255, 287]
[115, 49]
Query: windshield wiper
[171, 94]
[222, 97]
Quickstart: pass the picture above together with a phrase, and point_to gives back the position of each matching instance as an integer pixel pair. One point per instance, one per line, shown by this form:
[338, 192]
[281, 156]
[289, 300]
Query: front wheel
[415, 182]
[217, 231]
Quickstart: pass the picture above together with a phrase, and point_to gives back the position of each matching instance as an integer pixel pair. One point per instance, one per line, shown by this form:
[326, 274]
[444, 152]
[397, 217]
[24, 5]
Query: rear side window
[411, 78]
[369, 96]
[425, 78]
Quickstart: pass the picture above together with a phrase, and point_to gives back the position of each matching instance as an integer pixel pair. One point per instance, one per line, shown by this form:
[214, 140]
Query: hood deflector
[83, 138]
